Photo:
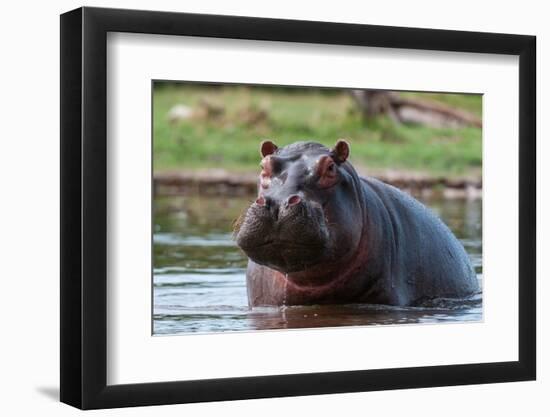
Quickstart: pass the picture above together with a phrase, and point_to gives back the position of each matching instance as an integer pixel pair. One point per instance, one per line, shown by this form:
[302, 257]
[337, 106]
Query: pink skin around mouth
[344, 270]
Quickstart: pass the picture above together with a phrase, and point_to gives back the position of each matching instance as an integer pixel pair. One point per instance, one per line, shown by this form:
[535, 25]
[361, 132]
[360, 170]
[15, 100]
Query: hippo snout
[280, 209]
[285, 233]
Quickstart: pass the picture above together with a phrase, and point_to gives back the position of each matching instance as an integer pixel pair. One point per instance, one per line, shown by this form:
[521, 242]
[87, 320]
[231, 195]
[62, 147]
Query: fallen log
[412, 110]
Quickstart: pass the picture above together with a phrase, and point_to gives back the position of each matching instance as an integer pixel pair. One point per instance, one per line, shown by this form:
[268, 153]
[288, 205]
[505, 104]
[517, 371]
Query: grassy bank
[231, 140]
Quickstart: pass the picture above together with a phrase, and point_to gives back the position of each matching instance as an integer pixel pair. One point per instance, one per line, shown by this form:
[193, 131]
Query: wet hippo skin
[318, 233]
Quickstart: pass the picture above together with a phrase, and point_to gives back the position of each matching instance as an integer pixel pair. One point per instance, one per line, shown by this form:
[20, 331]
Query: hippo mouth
[283, 247]
[289, 244]
[286, 256]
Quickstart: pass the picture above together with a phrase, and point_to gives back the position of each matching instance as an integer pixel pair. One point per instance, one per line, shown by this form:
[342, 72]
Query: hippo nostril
[293, 200]
[260, 201]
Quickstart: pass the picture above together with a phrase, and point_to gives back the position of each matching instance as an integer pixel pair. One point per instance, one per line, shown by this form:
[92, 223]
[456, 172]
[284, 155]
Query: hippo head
[308, 212]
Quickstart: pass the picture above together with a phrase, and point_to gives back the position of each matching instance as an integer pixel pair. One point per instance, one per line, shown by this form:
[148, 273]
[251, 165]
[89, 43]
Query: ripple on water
[212, 239]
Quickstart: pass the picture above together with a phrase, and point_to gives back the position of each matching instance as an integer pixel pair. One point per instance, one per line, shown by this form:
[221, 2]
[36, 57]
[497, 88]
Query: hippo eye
[327, 172]
[331, 170]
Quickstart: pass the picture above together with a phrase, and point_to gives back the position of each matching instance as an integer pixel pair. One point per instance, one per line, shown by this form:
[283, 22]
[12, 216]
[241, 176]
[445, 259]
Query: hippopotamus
[318, 233]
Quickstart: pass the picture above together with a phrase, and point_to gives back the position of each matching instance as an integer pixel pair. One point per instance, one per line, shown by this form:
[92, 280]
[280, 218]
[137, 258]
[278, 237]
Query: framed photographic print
[257, 207]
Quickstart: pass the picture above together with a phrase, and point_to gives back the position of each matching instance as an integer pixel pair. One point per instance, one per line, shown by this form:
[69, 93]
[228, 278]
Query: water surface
[199, 274]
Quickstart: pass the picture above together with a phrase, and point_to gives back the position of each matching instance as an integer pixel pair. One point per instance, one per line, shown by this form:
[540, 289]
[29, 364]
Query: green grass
[305, 114]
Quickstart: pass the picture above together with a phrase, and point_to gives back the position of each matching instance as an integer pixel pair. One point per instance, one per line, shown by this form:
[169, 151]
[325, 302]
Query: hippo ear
[340, 152]
[267, 148]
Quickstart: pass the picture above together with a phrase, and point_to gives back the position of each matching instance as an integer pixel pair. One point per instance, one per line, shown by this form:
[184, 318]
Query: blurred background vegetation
[204, 126]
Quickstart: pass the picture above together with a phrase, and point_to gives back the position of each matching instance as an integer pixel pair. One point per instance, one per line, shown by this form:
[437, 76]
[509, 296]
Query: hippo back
[420, 257]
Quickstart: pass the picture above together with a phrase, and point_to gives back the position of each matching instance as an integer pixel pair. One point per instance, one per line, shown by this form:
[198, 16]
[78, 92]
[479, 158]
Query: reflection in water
[199, 274]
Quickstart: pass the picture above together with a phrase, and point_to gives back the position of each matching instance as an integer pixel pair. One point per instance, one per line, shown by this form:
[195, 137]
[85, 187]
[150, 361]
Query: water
[199, 274]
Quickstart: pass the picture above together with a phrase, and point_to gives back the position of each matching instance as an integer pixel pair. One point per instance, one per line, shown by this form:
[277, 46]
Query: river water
[199, 274]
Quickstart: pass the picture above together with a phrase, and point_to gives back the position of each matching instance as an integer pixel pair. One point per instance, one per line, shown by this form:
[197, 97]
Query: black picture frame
[84, 207]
